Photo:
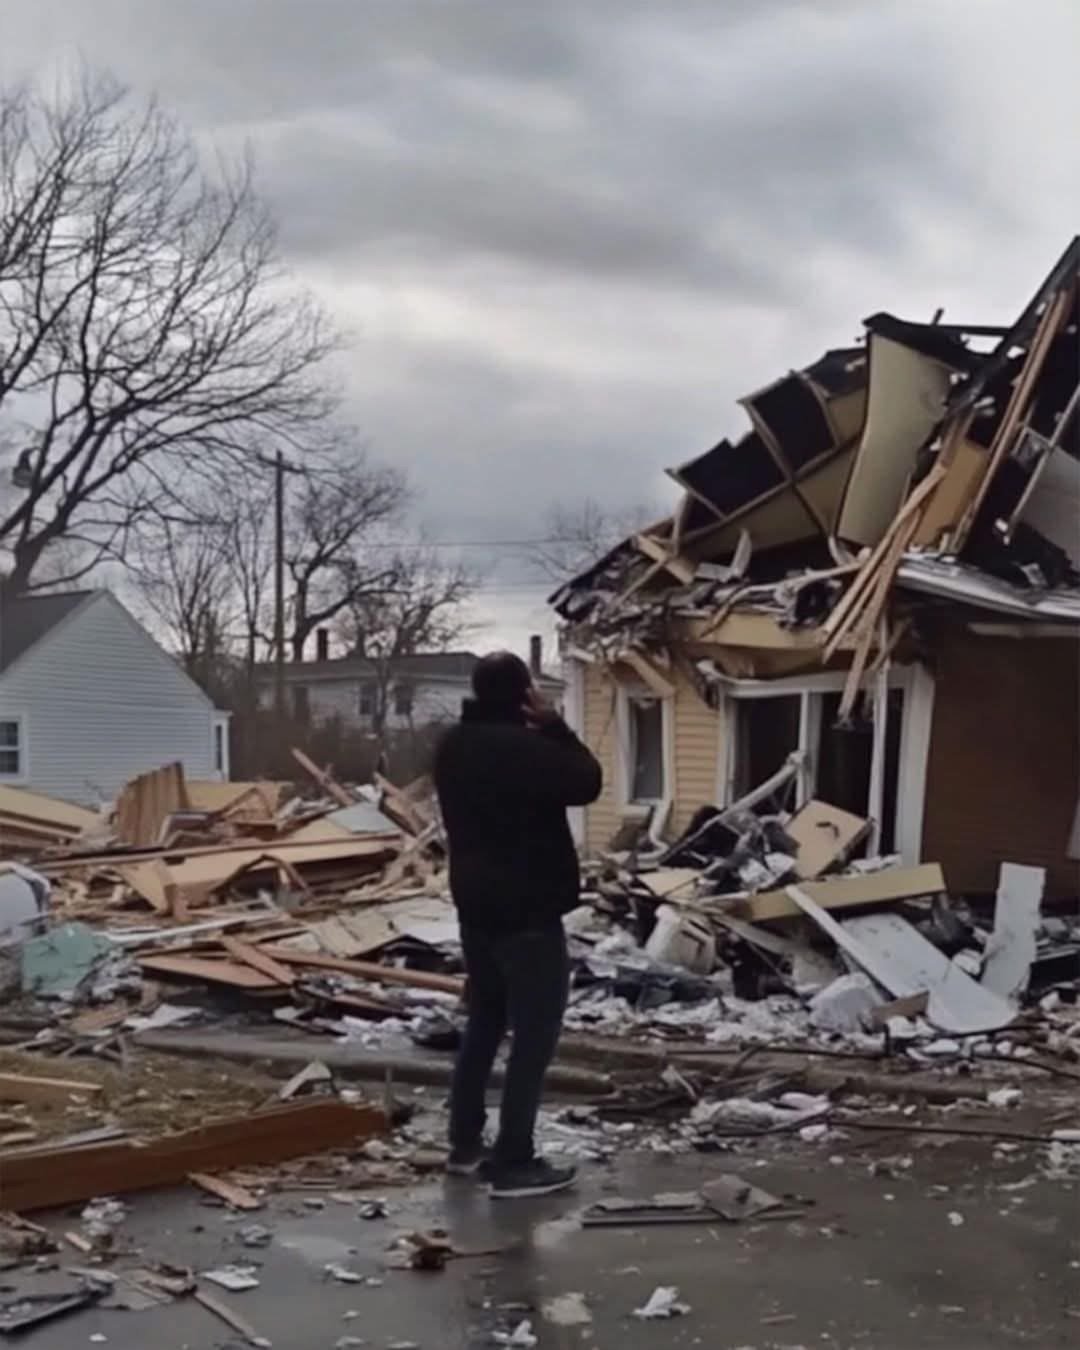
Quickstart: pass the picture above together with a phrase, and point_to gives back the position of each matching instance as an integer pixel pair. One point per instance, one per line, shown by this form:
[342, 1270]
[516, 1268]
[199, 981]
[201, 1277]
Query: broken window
[11, 748]
[840, 758]
[403, 700]
[843, 761]
[366, 704]
[766, 732]
[646, 749]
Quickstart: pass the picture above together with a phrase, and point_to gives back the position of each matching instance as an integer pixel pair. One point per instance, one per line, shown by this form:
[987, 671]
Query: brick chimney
[536, 655]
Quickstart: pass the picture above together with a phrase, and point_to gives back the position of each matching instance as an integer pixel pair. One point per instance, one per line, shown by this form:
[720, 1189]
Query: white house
[88, 700]
[423, 689]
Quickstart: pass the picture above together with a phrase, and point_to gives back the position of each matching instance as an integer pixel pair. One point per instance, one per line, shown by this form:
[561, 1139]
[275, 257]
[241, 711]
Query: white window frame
[20, 775]
[626, 693]
[219, 747]
[573, 672]
[918, 689]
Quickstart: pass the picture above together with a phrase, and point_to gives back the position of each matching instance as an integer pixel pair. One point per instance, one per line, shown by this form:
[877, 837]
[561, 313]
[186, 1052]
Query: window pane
[647, 750]
[767, 731]
[9, 762]
[843, 763]
[9, 734]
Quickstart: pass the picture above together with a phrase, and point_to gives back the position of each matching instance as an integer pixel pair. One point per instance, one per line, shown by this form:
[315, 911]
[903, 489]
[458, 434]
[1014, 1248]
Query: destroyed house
[871, 598]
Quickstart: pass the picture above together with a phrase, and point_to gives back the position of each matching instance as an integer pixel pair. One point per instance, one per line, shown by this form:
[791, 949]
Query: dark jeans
[517, 982]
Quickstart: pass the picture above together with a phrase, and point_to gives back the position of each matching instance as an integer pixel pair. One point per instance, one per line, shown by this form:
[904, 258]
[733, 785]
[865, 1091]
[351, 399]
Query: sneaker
[534, 1178]
[468, 1162]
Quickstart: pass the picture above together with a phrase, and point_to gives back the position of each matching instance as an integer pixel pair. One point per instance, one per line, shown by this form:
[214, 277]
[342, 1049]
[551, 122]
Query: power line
[468, 543]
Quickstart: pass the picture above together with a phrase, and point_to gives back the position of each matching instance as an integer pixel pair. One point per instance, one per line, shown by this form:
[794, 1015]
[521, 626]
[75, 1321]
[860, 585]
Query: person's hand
[538, 711]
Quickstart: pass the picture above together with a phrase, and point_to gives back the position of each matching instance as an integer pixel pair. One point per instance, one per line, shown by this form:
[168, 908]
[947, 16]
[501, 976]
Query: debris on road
[663, 1303]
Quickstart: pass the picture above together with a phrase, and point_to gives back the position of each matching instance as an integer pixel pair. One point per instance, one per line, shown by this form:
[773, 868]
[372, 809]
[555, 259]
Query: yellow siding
[697, 752]
[696, 746]
[602, 818]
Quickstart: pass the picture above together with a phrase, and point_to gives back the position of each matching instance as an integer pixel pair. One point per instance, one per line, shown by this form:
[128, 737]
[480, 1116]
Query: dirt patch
[155, 1095]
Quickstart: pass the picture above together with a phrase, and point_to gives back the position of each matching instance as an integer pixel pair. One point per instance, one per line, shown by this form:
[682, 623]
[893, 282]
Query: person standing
[505, 775]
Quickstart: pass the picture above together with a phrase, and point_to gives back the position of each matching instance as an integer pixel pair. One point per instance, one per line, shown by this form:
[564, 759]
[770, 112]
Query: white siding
[101, 702]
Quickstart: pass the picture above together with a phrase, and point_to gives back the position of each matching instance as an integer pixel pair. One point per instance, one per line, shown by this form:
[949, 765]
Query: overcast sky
[566, 234]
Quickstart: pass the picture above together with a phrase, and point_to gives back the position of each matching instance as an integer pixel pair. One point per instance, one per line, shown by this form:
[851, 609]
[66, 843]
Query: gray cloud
[566, 235]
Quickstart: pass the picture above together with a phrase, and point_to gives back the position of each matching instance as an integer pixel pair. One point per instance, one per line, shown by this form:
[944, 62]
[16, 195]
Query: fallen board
[875, 888]
[1012, 947]
[248, 954]
[230, 973]
[21, 1087]
[903, 962]
[41, 1178]
[825, 836]
[370, 970]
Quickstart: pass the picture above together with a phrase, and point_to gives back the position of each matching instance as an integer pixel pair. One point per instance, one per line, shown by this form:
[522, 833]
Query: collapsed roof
[933, 458]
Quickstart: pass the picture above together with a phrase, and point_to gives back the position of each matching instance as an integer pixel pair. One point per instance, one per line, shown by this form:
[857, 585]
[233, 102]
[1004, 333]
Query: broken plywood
[905, 401]
[146, 803]
[825, 836]
[904, 963]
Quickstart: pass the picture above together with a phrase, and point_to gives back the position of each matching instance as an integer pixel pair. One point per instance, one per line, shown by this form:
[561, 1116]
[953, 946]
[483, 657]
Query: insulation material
[905, 402]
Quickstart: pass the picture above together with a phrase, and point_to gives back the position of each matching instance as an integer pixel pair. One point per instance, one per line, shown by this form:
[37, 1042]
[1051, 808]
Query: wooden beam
[648, 672]
[681, 569]
[371, 970]
[234, 974]
[54, 1176]
[875, 888]
[1053, 317]
[327, 782]
[22, 1087]
[854, 598]
[236, 1197]
[250, 955]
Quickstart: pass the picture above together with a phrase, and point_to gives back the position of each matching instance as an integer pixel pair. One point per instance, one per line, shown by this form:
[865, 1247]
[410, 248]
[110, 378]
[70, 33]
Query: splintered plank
[21, 1087]
[232, 973]
[875, 888]
[248, 954]
[236, 1197]
[41, 1178]
[371, 970]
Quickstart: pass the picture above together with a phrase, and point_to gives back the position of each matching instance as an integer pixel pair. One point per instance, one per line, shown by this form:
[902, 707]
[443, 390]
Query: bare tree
[575, 537]
[180, 565]
[421, 610]
[145, 332]
[337, 502]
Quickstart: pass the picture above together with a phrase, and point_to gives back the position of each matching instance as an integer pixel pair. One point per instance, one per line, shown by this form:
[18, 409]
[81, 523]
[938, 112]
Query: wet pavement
[955, 1248]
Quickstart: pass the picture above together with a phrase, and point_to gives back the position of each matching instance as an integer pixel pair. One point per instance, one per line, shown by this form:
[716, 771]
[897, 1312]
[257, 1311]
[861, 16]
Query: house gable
[100, 702]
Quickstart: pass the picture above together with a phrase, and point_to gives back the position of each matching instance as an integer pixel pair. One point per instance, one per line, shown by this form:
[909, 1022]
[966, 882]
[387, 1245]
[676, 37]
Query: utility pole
[279, 585]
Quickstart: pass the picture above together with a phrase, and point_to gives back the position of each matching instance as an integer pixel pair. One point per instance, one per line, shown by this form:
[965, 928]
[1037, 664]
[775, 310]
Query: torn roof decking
[789, 485]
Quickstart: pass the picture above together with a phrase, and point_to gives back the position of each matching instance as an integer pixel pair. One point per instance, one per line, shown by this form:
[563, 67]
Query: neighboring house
[88, 700]
[418, 691]
[932, 683]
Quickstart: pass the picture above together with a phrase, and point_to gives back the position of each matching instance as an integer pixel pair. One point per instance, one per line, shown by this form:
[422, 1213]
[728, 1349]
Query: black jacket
[503, 790]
